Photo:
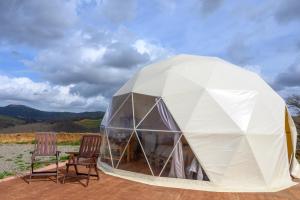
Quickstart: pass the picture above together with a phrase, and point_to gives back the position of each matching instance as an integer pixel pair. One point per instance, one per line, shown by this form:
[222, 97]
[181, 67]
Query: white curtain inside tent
[106, 116]
[177, 166]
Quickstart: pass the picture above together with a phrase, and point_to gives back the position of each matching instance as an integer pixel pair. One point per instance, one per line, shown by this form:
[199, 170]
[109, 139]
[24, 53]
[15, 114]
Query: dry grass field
[25, 138]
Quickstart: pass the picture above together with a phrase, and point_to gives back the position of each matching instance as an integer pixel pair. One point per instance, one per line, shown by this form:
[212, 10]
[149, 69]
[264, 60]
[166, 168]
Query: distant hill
[33, 115]
[6, 121]
[20, 119]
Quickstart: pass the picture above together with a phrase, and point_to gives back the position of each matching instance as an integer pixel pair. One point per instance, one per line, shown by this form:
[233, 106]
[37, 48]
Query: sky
[73, 55]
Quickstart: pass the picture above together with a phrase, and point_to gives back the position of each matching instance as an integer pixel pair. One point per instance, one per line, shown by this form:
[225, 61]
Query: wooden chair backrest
[45, 144]
[90, 146]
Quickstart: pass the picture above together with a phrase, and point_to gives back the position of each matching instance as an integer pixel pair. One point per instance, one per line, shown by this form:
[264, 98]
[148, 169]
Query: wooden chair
[87, 156]
[45, 146]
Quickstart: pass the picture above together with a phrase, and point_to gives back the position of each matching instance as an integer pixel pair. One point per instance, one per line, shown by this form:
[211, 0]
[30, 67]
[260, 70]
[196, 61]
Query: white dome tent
[199, 123]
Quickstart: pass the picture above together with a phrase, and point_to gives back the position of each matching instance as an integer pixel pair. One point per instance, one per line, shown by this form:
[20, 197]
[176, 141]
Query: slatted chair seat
[87, 156]
[45, 146]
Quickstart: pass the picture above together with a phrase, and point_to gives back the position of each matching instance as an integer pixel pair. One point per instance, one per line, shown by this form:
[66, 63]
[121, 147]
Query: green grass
[29, 142]
[5, 174]
[89, 123]
[38, 165]
[20, 163]
[71, 143]
[63, 158]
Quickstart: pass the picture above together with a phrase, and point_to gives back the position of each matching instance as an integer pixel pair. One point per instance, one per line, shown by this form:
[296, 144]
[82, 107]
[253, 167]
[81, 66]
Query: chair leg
[96, 170]
[76, 169]
[31, 172]
[88, 177]
[67, 172]
[56, 171]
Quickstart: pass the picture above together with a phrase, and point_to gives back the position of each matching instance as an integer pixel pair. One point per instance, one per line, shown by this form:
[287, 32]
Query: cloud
[79, 63]
[46, 96]
[122, 55]
[167, 5]
[118, 11]
[289, 78]
[36, 23]
[90, 90]
[94, 67]
[209, 6]
[287, 11]
[254, 68]
[238, 51]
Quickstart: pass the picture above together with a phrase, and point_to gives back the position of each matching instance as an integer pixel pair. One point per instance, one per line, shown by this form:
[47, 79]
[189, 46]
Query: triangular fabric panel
[238, 104]
[262, 121]
[272, 147]
[274, 109]
[182, 111]
[232, 78]
[127, 87]
[214, 157]
[142, 105]
[123, 118]
[158, 147]
[150, 86]
[286, 171]
[186, 85]
[243, 165]
[209, 117]
[184, 164]
[134, 160]
[186, 71]
[118, 140]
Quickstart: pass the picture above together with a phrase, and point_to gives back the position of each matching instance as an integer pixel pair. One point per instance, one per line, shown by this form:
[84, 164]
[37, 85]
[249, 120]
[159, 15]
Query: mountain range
[34, 115]
[21, 118]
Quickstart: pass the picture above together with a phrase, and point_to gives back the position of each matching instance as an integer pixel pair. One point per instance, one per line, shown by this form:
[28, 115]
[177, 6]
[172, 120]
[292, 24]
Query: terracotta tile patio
[112, 188]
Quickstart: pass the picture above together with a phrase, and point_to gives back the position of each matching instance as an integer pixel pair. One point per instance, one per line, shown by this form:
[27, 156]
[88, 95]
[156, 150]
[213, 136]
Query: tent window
[123, 117]
[118, 140]
[133, 158]
[157, 146]
[142, 105]
[117, 102]
[288, 133]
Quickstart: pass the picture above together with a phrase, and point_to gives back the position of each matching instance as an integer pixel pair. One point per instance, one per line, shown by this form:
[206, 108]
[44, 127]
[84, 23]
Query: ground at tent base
[113, 188]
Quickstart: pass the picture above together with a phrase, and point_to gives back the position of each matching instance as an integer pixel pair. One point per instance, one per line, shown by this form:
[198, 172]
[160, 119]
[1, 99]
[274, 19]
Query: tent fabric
[233, 121]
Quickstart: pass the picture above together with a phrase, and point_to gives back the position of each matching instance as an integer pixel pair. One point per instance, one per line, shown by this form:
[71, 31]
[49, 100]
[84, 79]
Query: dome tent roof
[228, 115]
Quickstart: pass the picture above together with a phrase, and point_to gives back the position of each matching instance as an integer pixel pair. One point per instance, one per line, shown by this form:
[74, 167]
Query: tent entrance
[288, 133]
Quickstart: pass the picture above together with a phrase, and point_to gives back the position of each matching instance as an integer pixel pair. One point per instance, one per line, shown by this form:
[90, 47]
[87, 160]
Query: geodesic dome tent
[200, 123]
